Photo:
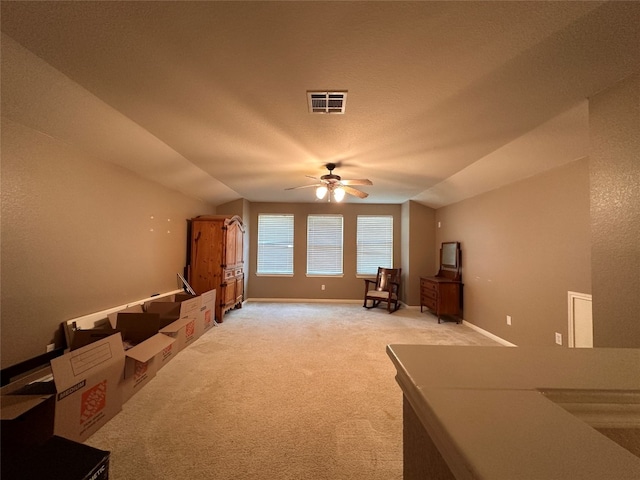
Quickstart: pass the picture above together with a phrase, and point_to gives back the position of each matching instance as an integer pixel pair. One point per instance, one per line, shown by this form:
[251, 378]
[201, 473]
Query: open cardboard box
[183, 331]
[174, 298]
[180, 319]
[100, 319]
[85, 385]
[189, 316]
[26, 414]
[148, 348]
[81, 338]
[206, 313]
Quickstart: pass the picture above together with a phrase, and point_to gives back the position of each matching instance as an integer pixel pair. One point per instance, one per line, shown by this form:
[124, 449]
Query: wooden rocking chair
[385, 288]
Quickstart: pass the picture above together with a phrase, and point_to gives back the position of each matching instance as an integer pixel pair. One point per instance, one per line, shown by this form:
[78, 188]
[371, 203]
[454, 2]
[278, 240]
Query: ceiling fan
[335, 186]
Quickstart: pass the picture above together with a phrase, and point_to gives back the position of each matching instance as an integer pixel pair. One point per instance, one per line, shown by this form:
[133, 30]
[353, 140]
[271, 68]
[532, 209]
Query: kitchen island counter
[526, 413]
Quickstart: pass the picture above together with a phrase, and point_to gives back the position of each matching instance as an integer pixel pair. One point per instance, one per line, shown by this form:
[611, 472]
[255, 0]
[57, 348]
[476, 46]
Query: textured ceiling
[445, 99]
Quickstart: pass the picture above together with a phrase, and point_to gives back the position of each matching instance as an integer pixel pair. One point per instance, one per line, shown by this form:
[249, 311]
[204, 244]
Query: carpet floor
[278, 391]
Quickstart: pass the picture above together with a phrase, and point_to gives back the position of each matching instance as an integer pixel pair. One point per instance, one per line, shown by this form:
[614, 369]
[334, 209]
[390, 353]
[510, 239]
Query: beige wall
[418, 243]
[523, 247]
[615, 214]
[76, 238]
[301, 286]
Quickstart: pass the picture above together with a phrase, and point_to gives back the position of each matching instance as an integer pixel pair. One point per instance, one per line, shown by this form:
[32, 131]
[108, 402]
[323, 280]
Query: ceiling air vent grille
[327, 102]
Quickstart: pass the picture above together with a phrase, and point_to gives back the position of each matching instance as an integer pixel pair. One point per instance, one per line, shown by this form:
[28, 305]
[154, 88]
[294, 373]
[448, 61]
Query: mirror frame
[455, 246]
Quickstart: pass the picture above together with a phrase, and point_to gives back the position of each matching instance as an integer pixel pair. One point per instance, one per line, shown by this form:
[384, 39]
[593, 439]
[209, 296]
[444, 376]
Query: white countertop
[485, 409]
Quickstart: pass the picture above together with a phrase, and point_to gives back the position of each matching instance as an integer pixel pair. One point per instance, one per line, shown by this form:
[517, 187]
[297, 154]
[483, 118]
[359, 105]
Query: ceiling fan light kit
[321, 192]
[336, 187]
[338, 194]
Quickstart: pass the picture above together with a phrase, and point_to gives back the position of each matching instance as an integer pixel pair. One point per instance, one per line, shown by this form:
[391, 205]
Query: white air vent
[327, 102]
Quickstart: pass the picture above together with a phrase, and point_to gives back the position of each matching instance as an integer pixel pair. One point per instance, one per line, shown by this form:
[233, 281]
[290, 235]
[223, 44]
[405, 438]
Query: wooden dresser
[442, 293]
[216, 259]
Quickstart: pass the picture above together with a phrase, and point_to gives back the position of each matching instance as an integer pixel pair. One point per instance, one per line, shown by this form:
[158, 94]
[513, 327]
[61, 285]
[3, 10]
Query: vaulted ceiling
[445, 99]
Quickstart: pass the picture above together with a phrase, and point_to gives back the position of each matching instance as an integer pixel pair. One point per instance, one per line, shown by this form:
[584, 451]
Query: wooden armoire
[215, 256]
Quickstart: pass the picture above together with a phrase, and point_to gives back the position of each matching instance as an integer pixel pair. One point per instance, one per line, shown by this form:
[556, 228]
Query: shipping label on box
[88, 385]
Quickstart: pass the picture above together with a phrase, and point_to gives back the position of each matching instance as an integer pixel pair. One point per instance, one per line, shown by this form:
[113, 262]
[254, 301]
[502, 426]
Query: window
[374, 243]
[324, 245]
[275, 245]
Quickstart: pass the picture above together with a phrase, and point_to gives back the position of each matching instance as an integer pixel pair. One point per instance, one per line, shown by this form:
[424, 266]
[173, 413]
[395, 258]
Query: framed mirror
[449, 255]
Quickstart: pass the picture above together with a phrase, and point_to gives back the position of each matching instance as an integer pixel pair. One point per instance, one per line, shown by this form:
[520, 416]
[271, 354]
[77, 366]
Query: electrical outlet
[508, 319]
[558, 338]
[321, 287]
[51, 347]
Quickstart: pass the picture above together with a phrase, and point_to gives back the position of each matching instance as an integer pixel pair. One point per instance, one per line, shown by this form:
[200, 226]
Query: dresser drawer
[238, 272]
[427, 285]
[430, 303]
[229, 274]
[429, 293]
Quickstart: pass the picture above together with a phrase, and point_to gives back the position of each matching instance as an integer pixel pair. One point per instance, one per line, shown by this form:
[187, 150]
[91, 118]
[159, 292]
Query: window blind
[324, 244]
[275, 244]
[374, 243]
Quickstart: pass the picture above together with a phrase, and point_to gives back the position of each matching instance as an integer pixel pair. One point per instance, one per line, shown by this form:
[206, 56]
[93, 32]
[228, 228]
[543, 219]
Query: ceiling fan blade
[355, 192]
[304, 186]
[362, 181]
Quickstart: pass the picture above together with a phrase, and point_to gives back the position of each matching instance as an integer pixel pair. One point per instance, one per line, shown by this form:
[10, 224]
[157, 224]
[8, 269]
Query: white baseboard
[489, 334]
[340, 300]
[303, 300]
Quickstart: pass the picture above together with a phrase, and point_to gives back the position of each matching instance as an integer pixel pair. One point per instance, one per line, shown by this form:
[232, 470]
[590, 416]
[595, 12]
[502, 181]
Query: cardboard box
[184, 332]
[186, 325]
[88, 387]
[168, 312]
[57, 458]
[143, 362]
[85, 386]
[174, 298]
[145, 355]
[167, 354]
[207, 310]
[72, 397]
[180, 306]
[27, 411]
[184, 306]
[81, 338]
[113, 317]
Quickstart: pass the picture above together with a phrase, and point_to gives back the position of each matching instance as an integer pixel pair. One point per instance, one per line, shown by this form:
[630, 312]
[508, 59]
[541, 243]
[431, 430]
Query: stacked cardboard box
[155, 332]
[85, 386]
[78, 392]
[71, 395]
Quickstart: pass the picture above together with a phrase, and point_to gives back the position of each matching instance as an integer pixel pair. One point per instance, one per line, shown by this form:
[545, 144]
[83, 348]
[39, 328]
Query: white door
[580, 320]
